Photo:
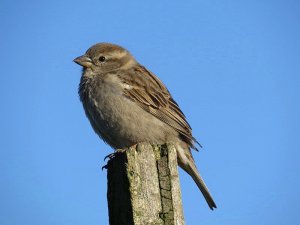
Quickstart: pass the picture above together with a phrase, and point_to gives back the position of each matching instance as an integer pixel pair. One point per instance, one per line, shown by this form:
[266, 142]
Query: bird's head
[105, 57]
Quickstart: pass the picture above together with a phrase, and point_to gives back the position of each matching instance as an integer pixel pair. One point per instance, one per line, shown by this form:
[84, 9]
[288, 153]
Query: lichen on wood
[143, 186]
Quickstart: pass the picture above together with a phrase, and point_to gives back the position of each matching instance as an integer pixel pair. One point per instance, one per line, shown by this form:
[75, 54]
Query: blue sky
[233, 67]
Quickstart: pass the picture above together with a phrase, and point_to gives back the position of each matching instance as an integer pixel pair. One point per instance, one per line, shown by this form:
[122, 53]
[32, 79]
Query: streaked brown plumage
[127, 104]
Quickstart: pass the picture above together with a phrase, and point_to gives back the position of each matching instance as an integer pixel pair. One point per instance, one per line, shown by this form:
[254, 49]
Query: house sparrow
[127, 104]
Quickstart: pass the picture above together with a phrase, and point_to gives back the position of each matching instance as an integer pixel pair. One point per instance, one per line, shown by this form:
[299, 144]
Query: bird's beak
[83, 61]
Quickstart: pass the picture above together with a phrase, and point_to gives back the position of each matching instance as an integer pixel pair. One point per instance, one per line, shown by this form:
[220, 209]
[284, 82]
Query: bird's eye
[101, 58]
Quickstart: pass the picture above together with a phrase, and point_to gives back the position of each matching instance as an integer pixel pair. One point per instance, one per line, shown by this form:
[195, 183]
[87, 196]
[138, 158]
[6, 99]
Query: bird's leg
[112, 155]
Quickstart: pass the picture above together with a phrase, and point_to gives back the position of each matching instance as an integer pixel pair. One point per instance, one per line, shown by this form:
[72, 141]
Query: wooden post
[143, 186]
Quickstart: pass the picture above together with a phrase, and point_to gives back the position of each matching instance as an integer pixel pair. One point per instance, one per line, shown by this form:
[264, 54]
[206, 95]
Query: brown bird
[127, 104]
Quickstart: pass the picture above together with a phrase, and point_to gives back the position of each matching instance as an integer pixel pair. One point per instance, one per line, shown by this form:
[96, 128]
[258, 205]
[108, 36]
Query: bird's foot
[113, 155]
[104, 167]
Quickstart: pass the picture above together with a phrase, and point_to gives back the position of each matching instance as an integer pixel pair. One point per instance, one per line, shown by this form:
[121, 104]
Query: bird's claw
[104, 167]
[109, 156]
[113, 155]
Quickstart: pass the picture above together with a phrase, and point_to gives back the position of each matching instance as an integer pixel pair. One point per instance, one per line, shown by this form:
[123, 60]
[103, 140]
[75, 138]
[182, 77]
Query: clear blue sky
[233, 67]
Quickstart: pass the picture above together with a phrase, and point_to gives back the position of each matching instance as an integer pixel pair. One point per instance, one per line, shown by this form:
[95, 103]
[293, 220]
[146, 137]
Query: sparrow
[127, 104]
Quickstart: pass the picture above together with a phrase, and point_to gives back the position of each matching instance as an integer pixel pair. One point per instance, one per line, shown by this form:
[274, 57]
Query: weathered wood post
[143, 187]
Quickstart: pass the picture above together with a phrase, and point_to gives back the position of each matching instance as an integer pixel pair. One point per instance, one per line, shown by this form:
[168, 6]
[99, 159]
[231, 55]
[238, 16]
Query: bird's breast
[100, 97]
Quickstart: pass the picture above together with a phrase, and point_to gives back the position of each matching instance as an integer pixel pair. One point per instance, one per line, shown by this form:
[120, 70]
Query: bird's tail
[190, 167]
[202, 186]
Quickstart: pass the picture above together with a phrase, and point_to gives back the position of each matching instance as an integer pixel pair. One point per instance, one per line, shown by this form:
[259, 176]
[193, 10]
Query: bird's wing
[150, 93]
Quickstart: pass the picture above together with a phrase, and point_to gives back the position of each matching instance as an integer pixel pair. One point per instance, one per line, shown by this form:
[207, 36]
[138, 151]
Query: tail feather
[193, 172]
[203, 188]
[186, 162]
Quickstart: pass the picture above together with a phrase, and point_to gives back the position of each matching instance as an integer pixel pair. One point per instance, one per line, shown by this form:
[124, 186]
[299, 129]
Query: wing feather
[151, 94]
